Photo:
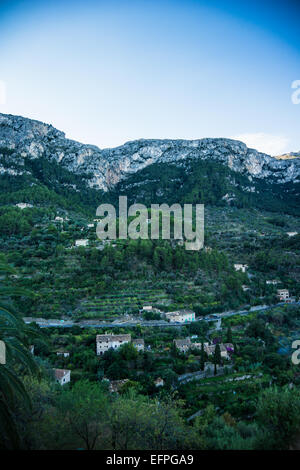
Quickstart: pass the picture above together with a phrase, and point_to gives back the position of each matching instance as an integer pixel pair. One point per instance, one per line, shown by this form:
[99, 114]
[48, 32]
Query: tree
[217, 355]
[278, 412]
[229, 335]
[202, 357]
[83, 409]
[15, 337]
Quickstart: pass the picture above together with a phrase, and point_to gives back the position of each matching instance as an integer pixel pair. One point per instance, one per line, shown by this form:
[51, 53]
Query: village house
[139, 344]
[23, 205]
[110, 341]
[273, 282]
[182, 344]
[283, 294]
[292, 234]
[290, 300]
[82, 242]
[159, 382]
[225, 348]
[58, 219]
[62, 376]
[245, 288]
[63, 353]
[116, 385]
[181, 316]
[241, 267]
[147, 308]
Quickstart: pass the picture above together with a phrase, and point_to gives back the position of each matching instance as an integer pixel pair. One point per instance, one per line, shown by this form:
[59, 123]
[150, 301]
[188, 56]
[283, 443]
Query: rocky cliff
[22, 139]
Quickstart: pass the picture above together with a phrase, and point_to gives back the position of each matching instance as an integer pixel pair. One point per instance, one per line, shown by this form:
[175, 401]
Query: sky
[107, 72]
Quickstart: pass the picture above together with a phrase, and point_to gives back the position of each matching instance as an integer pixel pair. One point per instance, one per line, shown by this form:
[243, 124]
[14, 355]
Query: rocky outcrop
[27, 138]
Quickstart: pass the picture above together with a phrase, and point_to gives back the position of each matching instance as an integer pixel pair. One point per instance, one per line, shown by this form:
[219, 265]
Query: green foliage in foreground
[87, 416]
[16, 336]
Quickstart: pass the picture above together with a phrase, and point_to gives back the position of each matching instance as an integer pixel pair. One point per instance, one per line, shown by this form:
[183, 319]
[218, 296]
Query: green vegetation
[246, 399]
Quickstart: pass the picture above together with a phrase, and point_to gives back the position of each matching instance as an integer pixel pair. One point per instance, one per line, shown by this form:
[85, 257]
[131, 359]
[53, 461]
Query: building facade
[110, 341]
[241, 267]
[283, 294]
[62, 376]
[181, 316]
[139, 344]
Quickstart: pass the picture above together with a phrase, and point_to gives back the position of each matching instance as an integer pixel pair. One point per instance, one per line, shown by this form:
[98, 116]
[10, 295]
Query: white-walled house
[272, 282]
[110, 341]
[63, 353]
[159, 382]
[245, 288]
[241, 267]
[62, 376]
[283, 294]
[82, 242]
[292, 234]
[181, 316]
[23, 205]
[139, 344]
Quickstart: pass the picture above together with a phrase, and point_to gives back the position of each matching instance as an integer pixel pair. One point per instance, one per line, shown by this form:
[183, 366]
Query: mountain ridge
[23, 138]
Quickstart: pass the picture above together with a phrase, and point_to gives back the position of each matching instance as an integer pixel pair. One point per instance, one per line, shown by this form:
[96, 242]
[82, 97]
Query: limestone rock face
[30, 139]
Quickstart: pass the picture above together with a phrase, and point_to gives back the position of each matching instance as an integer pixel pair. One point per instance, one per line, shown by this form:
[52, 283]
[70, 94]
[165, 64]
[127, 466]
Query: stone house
[225, 349]
[139, 344]
[62, 376]
[183, 344]
[110, 341]
[181, 316]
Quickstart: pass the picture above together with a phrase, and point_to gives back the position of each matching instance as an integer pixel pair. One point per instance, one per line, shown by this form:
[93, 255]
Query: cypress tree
[229, 335]
[202, 357]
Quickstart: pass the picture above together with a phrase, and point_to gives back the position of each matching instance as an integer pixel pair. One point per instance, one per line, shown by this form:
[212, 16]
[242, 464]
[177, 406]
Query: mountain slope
[24, 139]
[39, 165]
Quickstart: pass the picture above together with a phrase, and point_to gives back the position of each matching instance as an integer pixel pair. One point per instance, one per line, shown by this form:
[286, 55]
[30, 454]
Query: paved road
[44, 323]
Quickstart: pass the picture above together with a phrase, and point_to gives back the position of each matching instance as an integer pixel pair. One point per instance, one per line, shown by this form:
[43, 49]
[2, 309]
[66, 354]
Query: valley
[202, 337]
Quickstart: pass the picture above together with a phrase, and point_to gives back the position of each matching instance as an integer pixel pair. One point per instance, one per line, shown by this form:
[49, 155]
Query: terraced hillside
[129, 301]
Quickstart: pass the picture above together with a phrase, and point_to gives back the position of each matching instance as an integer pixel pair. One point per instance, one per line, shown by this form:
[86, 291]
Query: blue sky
[106, 72]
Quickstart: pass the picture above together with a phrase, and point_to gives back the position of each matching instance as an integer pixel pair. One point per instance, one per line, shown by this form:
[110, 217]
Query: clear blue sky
[106, 72]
